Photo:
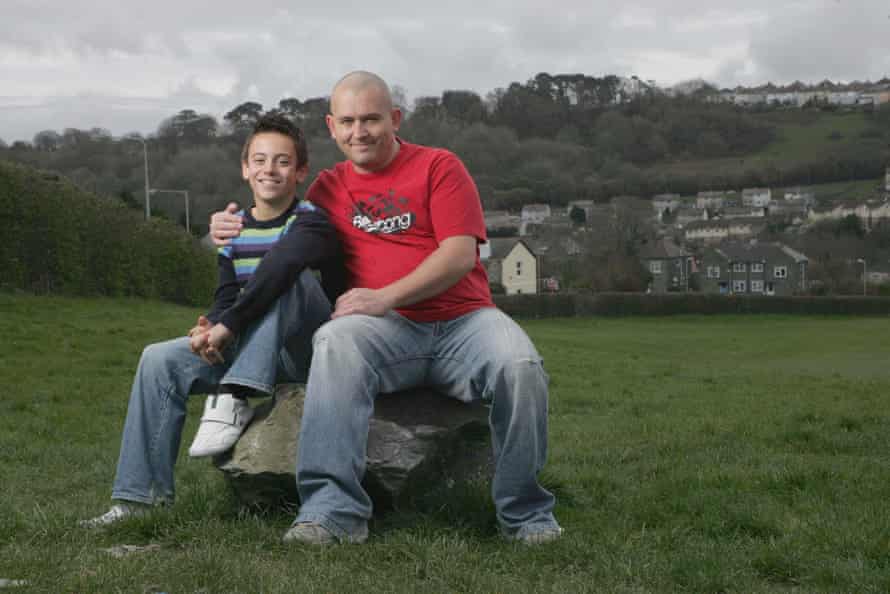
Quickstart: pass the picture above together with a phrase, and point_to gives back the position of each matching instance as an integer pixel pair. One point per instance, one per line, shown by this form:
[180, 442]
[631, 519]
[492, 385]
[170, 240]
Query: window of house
[757, 286]
[738, 267]
[713, 272]
[518, 268]
[655, 266]
[756, 266]
[738, 286]
[780, 272]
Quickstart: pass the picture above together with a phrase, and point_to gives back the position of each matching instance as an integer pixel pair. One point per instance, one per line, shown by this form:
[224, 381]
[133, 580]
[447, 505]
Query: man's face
[271, 168]
[364, 126]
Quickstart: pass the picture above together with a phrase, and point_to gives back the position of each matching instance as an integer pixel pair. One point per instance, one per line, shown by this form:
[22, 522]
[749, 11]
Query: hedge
[59, 239]
[641, 304]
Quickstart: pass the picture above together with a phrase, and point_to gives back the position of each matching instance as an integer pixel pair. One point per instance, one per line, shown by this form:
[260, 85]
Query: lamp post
[185, 194]
[148, 191]
[864, 275]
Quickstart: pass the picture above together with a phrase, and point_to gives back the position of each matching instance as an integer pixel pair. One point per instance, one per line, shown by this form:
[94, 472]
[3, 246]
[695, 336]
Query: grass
[688, 454]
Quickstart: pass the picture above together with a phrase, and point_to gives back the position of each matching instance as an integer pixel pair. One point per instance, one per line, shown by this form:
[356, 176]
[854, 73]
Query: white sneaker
[117, 513]
[223, 422]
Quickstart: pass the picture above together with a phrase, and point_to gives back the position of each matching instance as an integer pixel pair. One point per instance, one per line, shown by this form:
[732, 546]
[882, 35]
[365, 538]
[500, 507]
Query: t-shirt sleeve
[455, 207]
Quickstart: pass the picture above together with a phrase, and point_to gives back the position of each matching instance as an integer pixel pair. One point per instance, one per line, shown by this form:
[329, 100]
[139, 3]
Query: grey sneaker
[117, 513]
[532, 535]
[316, 534]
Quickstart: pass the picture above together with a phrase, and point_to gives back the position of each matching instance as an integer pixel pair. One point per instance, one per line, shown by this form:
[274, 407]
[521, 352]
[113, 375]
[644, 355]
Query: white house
[757, 197]
[535, 213]
[511, 263]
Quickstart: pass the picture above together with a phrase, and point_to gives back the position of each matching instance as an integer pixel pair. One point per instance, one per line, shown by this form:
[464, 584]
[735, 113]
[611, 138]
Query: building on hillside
[511, 263]
[710, 200]
[870, 212]
[721, 230]
[795, 213]
[684, 216]
[501, 222]
[666, 204]
[795, 195]
[758, 197]
[887, 180]
[535, 213]
[668, 264]
[753, 268]
[741, 212]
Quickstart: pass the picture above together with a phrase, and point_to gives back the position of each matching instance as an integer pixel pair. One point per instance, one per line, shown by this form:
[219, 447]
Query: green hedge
[624, 304]
[60, 239]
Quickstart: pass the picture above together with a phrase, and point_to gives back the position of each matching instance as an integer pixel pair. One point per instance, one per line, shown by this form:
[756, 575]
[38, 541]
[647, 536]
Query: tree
[578, 215]
[189, 127]
[463, 106]
[243, 118]
[47, 140]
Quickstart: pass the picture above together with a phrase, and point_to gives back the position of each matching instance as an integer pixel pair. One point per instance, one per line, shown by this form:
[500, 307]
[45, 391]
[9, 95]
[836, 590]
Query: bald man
[419, 313]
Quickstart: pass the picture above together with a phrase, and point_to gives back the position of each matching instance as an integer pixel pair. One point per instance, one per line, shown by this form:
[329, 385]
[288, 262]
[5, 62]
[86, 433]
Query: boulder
[418, 440]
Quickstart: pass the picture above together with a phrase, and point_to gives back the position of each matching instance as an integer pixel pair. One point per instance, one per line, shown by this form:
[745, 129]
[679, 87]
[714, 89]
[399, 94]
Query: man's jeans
[277, 347]
[481, 355]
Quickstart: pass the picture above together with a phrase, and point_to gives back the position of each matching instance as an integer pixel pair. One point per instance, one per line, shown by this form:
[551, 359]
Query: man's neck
[265, 210]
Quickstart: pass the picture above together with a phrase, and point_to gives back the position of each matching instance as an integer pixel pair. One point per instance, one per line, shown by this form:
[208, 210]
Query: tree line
[553, 139]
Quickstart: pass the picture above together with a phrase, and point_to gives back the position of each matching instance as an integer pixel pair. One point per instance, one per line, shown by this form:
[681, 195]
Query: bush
[625, 304]
[60, 239]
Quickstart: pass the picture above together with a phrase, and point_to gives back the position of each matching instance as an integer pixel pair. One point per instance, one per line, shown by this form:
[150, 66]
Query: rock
[417, 440]
[120, 551]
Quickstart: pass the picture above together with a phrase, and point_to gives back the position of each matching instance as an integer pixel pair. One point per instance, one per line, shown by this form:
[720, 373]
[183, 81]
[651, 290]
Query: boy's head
[274, 159]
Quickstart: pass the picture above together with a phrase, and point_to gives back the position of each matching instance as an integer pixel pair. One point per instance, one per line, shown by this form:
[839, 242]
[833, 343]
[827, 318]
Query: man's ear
[396, 116]
[329, 120]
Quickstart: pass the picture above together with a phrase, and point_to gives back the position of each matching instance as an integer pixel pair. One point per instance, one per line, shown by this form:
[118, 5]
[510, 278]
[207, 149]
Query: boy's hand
[203, 325]
[219, 338]
[225, 224]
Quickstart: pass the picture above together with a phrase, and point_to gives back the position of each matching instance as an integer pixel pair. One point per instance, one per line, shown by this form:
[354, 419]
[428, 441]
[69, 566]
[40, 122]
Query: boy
[271, 304]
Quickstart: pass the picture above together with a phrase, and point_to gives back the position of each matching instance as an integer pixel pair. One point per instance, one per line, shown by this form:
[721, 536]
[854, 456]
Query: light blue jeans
[481, 355]
[276, 348]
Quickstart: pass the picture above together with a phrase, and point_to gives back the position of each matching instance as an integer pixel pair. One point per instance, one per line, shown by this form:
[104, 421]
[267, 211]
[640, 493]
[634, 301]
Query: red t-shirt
[389, 221]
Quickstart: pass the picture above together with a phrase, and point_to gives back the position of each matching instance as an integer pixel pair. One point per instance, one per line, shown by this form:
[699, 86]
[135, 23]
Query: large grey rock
[418, 440]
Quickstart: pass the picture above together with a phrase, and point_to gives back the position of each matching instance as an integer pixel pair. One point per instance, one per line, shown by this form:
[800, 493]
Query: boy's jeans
[481, 355]
[276, 347]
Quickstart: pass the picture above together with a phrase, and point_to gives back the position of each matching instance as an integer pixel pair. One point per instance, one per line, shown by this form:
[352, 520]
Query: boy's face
[271, 168]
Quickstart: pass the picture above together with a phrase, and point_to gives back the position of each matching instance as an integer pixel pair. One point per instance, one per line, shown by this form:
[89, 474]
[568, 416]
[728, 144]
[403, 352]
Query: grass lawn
[698, 454]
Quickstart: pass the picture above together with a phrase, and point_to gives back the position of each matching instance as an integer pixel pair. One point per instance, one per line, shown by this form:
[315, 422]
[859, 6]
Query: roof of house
[501, 246]
[755, 251]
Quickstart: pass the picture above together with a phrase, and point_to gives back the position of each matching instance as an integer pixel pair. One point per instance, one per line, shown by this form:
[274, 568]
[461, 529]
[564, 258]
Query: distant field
[688, 454]
[802, 137]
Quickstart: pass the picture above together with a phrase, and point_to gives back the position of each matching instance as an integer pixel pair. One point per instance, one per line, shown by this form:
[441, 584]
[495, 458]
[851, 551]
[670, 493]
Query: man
[273, 312]
[419, 313]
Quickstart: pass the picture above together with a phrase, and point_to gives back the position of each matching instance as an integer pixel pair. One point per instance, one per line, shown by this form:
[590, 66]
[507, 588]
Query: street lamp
[185, 194]
[145, 162]
[864, 275]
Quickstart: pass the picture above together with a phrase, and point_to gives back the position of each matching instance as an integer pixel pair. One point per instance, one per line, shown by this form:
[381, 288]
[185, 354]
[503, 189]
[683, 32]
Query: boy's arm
[310, 241]
[226, 289]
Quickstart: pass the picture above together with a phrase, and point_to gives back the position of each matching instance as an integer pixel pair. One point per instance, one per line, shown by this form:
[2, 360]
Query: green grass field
[688, 454]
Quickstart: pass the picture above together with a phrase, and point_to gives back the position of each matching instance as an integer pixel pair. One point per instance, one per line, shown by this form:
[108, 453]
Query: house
[666, 202]
[757, 197]
[511, 263]
[535, 213]
[711, 200]
[721, 230]
[684, 216]
[668, 264]
[500, 221]
[752, 267]
[739, 212]
[869, 212]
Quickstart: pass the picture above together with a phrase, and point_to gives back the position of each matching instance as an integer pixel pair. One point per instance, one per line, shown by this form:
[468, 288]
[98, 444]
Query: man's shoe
[531, 535]
[316, 534]
[117, 513]
[224, 420]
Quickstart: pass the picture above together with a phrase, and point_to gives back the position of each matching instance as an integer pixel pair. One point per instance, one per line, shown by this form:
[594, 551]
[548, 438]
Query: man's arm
[441, 270]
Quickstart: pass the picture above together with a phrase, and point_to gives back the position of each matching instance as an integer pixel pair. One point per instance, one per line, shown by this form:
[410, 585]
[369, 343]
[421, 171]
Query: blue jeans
[481, 355]
[277, 347]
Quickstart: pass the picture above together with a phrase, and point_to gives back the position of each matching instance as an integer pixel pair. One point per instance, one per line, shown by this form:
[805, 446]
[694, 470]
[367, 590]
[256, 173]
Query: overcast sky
[125, 65]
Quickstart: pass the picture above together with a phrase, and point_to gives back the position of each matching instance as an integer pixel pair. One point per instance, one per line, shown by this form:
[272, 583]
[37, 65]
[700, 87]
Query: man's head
[363, 121]
[274, 160]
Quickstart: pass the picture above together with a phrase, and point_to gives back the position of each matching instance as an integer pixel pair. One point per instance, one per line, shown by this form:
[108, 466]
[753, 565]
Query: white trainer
[117, 513]
[224, 420]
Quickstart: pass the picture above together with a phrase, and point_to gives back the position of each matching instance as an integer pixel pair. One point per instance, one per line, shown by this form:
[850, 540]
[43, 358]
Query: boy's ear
[302, 173]
[245, 172]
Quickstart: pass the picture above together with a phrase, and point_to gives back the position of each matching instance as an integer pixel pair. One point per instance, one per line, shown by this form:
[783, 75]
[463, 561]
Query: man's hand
[362, 301]
[219, 338]
[225, 224]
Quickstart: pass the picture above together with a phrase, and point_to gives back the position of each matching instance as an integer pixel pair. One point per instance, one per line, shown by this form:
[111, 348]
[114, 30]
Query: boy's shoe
[223, 422]
[316, 534]
[534, 536]
[117, 513]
